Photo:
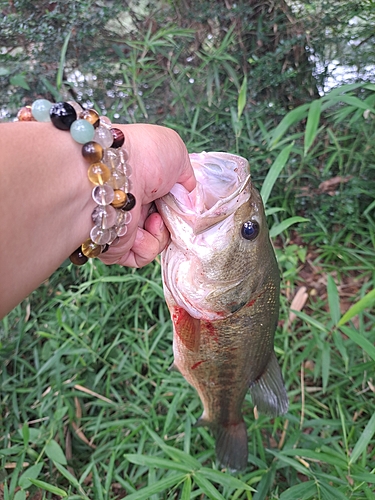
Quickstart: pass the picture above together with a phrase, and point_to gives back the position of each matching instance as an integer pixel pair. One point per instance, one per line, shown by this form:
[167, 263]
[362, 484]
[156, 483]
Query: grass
[88, 407]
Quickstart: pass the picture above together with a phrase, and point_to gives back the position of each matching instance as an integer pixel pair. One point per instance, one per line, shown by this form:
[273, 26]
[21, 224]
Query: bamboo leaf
[302, 491]
[363, 441]
[312, 124]
[311, 321]
[207, 487]
[277, 229]
[326, 363]
[161, 485]
[290, 119]
[241, 103]
[224, 479]
[186, 489]
[358, 307]
[153, 461]
[274, 172]
[333, 299]
[360, 340]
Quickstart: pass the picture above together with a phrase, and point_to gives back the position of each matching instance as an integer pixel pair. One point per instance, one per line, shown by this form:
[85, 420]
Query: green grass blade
[60, 71]
[55, 453]
[153, 461]
[363, 441]
[226, 480]
[312, 124]
[162, 485]
[32, 472]
[303, 491]
[274, 172]
[207, 487]
[241, 102]
[333, 300]
[326, 364]
[48, 487]
[277, 229]
[360, 340]
[186, 489]
[366, 301]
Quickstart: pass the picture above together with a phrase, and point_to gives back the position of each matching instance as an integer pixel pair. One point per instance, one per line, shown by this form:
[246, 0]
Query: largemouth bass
[221, 284]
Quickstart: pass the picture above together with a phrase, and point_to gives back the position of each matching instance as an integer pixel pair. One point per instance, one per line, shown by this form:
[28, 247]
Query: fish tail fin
[268, 393]
[231, 446]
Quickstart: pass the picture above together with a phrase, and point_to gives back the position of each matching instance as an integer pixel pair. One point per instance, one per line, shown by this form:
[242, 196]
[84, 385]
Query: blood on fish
[186, 328]
[210, 329]
[252, 302]
[195, 365]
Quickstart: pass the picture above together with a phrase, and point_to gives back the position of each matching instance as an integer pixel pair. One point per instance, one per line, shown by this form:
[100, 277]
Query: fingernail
[139, 236]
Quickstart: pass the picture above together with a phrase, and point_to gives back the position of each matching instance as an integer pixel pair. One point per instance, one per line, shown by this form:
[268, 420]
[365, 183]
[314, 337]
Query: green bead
[82, 131]
[40, 110]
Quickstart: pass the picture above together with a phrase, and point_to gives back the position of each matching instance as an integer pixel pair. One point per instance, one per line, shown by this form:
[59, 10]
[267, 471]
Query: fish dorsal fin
[186, 328]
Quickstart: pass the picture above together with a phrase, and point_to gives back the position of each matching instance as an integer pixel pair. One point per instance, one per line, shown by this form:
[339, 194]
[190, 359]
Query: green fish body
[222, 284]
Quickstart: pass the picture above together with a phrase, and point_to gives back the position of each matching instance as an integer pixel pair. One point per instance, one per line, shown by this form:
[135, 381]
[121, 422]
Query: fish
[221, 284]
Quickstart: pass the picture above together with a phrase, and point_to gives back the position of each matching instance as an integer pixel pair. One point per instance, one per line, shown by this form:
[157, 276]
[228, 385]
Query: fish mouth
[223, 184]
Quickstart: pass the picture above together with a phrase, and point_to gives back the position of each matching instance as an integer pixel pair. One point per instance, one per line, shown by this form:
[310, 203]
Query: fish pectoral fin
[186, 328]
[268, 393]
[231, 446]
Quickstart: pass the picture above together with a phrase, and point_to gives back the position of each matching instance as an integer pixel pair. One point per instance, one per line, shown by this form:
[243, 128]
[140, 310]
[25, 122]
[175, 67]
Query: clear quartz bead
[113, 159]
[120, 218]
[117, 180]
[105, 121]
[103, 136]
[104, 216]
[128, 217]
[103, 195]
[113, 235]
[100, 236]
[122, 230]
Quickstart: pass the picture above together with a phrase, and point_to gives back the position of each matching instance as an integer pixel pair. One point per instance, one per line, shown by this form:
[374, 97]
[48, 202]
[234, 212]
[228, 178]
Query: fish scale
[221, 284]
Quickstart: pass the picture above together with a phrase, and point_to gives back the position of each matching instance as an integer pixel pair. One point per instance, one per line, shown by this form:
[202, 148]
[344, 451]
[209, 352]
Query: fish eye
[250, 230]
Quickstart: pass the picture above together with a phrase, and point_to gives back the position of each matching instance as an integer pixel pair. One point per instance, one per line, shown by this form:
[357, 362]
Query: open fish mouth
[223, 182]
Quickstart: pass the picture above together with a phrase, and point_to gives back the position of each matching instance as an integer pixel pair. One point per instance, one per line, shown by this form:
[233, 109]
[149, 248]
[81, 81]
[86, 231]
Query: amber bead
[78, 258]
[120, 199]
[91, 116]
[118, 138]
[130, 202]
[92, 152]
[25, 115]
[62, 115]
[98, 173]
[91, 249]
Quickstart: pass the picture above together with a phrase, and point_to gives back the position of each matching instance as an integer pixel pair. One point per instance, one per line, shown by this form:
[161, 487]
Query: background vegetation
[88, 408]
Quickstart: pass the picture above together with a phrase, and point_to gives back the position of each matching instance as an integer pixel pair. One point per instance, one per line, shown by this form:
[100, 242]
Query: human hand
[158, 159]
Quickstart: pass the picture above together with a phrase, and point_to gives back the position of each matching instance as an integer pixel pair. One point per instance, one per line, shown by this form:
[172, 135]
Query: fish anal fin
[202, 421]
[186, 328]
[268, 392]
[231, 446]
[174, 368]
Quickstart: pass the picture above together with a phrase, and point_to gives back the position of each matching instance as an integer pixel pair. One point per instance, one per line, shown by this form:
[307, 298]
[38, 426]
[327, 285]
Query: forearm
[46, 206]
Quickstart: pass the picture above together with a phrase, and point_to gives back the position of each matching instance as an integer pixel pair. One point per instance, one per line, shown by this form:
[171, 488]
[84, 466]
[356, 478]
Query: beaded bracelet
[108, 170]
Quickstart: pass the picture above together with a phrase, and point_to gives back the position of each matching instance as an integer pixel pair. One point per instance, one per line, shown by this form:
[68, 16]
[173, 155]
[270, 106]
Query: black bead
[77, 257]
[130, 202]
[63, 115]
